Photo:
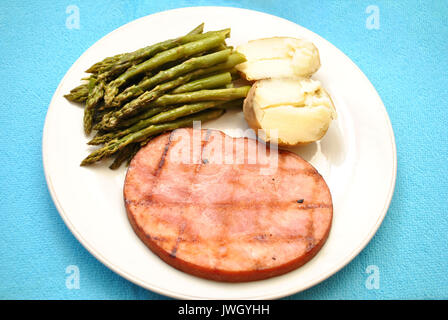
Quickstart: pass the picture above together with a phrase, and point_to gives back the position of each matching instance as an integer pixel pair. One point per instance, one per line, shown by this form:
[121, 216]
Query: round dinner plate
[357, 158]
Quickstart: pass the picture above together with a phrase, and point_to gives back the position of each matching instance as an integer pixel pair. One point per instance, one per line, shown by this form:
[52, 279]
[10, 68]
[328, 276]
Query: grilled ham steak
[199, 200]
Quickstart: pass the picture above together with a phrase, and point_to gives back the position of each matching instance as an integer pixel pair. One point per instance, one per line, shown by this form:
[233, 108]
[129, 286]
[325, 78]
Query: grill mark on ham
[226, 222]
[198, 167]
[311, 240]
[310, 237]
[203, 145]
[165, 152]
[178, 240]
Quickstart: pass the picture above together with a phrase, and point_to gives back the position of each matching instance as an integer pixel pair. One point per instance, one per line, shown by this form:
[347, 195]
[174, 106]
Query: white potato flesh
[265, 69]
[299, 110]
[296, 125]
[278, 57]
[284, 91]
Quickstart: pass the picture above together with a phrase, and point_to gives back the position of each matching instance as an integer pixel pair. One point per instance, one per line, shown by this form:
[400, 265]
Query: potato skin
[248, 109]
[243, 76]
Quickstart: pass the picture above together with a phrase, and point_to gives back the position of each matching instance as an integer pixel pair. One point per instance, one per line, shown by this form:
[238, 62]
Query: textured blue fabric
[406, 60]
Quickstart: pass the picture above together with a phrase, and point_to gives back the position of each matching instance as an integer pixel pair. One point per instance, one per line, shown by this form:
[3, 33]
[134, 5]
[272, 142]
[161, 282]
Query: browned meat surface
[226, 222]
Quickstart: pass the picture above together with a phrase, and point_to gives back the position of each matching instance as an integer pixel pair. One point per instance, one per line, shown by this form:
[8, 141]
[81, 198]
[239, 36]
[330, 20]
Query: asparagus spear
[211, 82]
[116, 145]
[160, 115]
[233, 60]
[108, 63]
[228, 66]
[178, 112]
[96, 91]
[172, 99]
[176, 71]
[104, 136]
[198, 30]
[125, 123]
[201, 95]
[135, 105]
[101, 114]
[161, 58]
[105, 63]
[124, 154]
[78, 94]
[100, 111]
[117, 67]
[164, 116]
[158, 91]
[238, 103]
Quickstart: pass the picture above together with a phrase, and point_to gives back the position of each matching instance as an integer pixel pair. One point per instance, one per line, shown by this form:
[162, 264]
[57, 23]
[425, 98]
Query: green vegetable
[119, 60]
[105, 124]
[118, 67]
[96, 91]
[147, 101]
[125, 123]
[161, 117]
[176, 53]
[78, 94]
[124, 154]
[105, 63]
[164, 86]
[169, 74]
[211, 82]
[198, 30]
[201, 95]
[116, 145]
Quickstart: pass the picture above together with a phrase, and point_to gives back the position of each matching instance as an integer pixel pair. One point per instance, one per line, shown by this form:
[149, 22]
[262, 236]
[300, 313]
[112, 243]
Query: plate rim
[166, 292]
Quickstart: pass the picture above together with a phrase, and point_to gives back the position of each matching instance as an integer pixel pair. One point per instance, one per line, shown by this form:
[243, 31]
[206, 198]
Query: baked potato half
[278, 57]
[289, 111]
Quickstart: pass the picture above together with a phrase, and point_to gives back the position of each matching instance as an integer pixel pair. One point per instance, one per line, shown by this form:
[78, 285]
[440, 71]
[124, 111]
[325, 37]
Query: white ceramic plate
[357, 158]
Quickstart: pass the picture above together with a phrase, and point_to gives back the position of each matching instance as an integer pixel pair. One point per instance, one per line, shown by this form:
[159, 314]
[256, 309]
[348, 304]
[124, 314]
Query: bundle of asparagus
[132, 97]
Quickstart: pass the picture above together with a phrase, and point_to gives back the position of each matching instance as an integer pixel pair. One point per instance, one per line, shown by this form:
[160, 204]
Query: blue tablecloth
[406, 59]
